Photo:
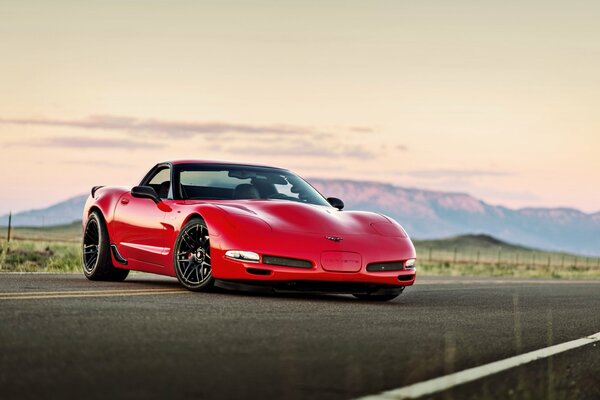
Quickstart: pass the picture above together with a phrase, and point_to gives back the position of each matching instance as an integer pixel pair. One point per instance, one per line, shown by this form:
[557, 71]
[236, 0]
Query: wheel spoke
[187, 267]
[189, 241]
[91, 261]
[194, 270]
[191, 271]
[204, 240]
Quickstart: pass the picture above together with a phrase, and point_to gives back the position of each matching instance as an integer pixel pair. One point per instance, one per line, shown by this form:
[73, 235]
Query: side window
[161, 182]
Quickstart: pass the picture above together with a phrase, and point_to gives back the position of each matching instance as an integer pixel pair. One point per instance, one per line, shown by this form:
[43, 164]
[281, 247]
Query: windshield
[236, 182]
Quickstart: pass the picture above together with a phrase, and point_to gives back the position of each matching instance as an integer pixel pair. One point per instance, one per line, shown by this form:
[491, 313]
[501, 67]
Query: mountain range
[425, 214]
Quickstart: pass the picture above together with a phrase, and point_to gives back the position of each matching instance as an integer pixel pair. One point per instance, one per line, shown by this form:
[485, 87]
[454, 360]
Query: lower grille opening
[386, 266]
[258, 271]
[286, 262]
[405, 278]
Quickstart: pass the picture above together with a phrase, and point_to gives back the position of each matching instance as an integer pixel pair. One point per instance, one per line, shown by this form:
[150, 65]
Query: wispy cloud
[160, 128]
[454, 173]
[88, 142]
[361, 129]
[293, 140]
[99, 163]
[302, 148]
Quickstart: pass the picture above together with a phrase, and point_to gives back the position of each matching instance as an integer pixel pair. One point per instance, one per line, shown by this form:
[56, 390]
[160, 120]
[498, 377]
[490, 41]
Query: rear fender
[104, 200]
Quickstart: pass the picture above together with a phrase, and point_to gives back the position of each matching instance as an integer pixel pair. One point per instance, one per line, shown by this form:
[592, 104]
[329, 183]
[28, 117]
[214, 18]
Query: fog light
[410, 263]
[239, 255]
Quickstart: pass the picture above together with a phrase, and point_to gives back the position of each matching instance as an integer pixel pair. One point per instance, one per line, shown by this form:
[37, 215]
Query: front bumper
[311, 247]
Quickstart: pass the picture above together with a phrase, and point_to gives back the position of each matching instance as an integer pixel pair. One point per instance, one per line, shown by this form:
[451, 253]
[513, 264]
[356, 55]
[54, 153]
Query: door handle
[124, 201]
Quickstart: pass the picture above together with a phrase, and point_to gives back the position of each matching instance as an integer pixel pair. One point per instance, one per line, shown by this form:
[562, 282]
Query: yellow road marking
[86, 291]
[33, 296]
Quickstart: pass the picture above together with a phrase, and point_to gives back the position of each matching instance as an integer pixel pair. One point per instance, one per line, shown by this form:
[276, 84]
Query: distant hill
[478, 241]
[425, 214]
[62, 213]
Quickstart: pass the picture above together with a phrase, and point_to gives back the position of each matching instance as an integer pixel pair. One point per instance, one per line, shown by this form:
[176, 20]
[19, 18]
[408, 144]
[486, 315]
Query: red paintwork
[145, 233]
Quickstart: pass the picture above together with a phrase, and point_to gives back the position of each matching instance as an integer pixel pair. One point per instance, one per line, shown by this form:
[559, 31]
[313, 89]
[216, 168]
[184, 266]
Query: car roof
[191, 161]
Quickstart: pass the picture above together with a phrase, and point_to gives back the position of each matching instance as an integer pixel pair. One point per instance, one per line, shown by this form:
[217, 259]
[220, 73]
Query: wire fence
[40, 228]
[497, 257]
[37, 221]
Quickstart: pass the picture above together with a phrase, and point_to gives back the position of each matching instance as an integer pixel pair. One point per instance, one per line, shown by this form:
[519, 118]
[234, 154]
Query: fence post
[575, 262]
[517, 259]
[9, 226]
[499, 256]
[562, 261]
[548, 261]
[478, 254]
[454, 258]
[430, 254]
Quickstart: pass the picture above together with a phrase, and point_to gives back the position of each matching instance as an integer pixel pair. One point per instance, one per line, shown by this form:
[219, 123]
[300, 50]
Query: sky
[496, 99]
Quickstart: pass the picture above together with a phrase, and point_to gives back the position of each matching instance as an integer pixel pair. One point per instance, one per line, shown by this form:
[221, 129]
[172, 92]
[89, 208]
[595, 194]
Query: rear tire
[96, 259]
[191, 256]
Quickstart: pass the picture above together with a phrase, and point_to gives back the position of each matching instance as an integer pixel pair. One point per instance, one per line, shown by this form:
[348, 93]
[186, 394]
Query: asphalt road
[62, 336]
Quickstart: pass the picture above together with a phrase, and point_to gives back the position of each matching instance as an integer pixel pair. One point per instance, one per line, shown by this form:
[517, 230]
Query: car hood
[288, 216]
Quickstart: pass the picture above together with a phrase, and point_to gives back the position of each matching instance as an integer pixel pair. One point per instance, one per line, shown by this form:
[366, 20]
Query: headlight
[240, 255]
[410, 263]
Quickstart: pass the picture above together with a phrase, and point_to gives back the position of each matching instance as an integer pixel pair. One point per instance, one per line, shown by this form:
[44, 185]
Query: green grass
[40, 256]
[66, 233]
[49, 249]
[57, 249]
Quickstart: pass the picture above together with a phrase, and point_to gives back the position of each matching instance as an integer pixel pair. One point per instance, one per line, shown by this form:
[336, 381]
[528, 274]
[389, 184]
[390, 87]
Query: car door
[140, 231]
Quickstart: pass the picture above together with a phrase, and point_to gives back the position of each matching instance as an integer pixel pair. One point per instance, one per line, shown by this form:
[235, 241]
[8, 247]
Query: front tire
[97, 263]
[191, 256]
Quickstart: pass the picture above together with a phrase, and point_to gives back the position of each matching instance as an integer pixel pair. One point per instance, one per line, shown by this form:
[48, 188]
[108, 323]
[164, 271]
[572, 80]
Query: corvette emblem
[334, 238]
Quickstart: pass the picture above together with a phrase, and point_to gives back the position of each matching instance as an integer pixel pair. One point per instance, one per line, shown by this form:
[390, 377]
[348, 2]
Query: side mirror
[335, 202]
[145, 192]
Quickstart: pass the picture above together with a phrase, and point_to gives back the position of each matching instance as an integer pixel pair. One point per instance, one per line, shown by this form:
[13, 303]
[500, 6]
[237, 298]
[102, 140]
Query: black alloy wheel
[96, 259]
[192, 256]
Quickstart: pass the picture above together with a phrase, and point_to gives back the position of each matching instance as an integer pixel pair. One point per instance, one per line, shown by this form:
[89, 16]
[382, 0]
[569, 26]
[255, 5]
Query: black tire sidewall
[103, 247]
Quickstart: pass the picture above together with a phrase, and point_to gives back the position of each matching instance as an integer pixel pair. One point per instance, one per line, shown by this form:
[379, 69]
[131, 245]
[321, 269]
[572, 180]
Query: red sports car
[235, 225]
